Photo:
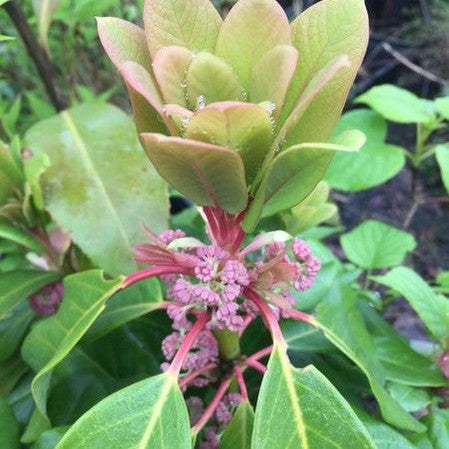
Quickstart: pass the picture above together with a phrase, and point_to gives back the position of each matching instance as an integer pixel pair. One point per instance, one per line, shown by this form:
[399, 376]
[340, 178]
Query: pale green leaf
[321, 33]
[250, 30]
[208, 174]
[150, 414]
[50, 438]
[396, 104]
[442, 105]
[34, 167]
[237, 434]
[411, 398]
[210, 79]
[98, 197]
[193, 24]
[244, 127]
[170, 65]
[374, 164]
[271, 76]
[374, 245]
[49, 342]
[442, 156]
[302, 409]
[432, 308]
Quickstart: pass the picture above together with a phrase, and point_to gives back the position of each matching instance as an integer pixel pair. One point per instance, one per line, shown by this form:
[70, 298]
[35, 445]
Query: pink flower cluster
[214, 280]
[203, 351]
[46, 300]
[222, 417]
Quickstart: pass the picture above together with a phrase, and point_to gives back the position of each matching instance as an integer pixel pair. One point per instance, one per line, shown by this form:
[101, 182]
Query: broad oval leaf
[396, 104]
[432, 308]
[85, 296]
[302, 409]
[244, 127]
[374, 245]
[374, 164]
[210, 79]
[193, 24]
[321, 33]
[96, 141]
[251, 29]
[237, 434]
[16, 286]
[123, 41]
[442, 105]
[150, 414]
[271, 76]
[209, 174]
[170, 65]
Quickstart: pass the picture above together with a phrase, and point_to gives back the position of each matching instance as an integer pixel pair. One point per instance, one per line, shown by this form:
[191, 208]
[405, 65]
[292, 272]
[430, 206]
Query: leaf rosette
[232, 112]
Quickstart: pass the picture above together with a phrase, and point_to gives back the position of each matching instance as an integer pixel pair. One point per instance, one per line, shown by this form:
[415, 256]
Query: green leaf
[271, 76]
[150, 414]
[49, 342]
[373, 245]
[246, 128]
[126, 306]
[383, 435]
[34, 168]
[411, 398]
[396, 104]
[250, 30]
[321, 33]
[402, 364]
[16, 286]
[301, 408]
[442, 105]
[374, 164]
[170, 65]
[14, 234]
[9, 427]
[193, 24]
[10, 373]
[312, 211]
[44, 10]
[95, 141]
[442, 156]
[50, 438]
[13, 326]
[237, 434]
[209, 80]
[340, 320]
[208, 174]
[432, 308]
[125, 43]
[302, 337]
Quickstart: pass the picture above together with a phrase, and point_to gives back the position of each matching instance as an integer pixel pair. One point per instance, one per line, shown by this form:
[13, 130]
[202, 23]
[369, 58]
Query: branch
[37, 54]
[412, 66]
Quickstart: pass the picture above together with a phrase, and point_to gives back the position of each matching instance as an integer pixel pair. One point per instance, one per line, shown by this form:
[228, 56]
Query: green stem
[228, 344]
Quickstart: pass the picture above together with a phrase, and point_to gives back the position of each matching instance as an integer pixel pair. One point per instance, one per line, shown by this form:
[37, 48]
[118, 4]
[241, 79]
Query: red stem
[193, 375]
[301, 316]
[212, 406]
[260, 354]
[184, 349]
[267, 315]
[256, 365]
[241, 381]
[154, 271]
